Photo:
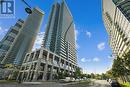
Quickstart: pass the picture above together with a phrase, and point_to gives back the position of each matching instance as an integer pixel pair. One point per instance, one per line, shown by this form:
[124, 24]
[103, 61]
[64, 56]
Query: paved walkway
[95, 83]
[32, 84]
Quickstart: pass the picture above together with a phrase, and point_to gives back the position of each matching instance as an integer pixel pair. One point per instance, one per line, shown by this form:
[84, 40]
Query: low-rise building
[43, 64]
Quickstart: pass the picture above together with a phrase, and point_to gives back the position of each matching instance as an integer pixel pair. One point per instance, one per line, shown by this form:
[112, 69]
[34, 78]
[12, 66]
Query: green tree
[97, 76]
[92, 75]
[77, 73]
[126, 62]
[66, 74]
[109, 74]
[126, 58]
[60, 75]
[118, 68]
[104, 76]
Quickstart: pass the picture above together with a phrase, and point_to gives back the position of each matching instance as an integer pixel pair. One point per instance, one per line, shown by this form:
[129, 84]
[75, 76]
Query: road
[100, 83]
[94, 83]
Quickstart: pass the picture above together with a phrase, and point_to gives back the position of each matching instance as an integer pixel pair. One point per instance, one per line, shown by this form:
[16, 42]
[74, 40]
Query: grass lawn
[6, 81]
[125, 85]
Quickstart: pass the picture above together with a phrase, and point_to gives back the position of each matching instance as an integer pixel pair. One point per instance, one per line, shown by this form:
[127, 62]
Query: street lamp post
[28, 8]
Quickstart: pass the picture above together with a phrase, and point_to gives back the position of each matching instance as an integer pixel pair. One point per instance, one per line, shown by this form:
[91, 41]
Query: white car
[67, 79]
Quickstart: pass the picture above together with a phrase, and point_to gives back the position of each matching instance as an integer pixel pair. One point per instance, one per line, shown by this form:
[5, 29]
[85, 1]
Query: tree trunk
[122, 78]
[127, 79]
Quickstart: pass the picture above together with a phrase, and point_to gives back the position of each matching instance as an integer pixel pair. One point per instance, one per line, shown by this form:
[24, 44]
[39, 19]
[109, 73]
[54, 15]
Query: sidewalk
[44, 84]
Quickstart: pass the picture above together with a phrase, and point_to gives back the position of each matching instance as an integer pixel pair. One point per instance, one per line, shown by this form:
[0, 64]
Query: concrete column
[28, 57]
[69, 67]
[64, 65]
[52, 69]
[29, 72]
[19, 73]
[46, 68]
[53, 59]
[59, 63]
[23, 76]
[18, 77]
[25, 58]
[38, 65]
[41, 54]
[29, 78]
[36, 74]
[23, 73]
[34, 56]
[29, 67]
[22, 65]
[51, 72]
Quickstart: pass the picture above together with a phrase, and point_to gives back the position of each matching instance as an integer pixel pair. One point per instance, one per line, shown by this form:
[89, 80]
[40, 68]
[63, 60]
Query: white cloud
[96, 59]
[88, 34]
[85, 60]
[0, 28]
[110, 66]
[2, 32]
[77, 46]
[38, 40]
[101, 46]
[76, 38]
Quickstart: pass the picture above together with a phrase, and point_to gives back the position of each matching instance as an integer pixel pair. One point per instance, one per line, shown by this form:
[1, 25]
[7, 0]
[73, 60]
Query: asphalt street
[100, 83]
[94, 83]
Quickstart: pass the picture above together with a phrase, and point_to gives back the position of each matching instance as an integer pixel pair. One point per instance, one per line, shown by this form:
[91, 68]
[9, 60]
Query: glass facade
[56, 39]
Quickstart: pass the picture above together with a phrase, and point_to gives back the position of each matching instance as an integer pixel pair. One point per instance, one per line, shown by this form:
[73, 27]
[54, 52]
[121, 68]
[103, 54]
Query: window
[0, 46]
[18, 25]
[14, 31]
[21, 20]
[37, 55]
[9, 38]
[5, 47]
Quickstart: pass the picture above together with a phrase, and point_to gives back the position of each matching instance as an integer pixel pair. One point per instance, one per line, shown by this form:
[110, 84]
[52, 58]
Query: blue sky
[92, 41]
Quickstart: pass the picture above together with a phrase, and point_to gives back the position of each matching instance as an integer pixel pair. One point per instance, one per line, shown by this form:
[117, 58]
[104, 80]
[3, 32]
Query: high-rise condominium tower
[60, 36]
[25, 39]
[9, 38]
[116, 16]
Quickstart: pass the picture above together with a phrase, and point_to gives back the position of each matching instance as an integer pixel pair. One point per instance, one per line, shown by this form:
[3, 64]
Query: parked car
[115, 83]
[67, 79]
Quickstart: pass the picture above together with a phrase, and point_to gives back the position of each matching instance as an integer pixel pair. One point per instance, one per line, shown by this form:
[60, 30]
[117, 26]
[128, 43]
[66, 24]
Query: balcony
[56, 63]
[43, 60]
[50, 62]
[62, 66]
